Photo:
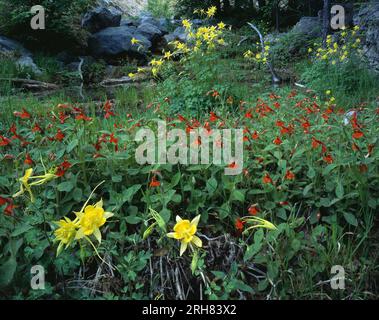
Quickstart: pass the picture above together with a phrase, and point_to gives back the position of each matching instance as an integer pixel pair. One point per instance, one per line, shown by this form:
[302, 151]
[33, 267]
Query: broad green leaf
[339, 190]
[65, 186]
[7, 271]
[128, 194]
[350, 218]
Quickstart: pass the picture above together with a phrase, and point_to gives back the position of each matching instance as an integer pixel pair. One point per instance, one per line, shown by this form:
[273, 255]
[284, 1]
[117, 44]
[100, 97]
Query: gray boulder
[179, 34]
[161, 23]
[368, 20]
[150, 31]
[11, 46]
[23, 57]
[27, 62]
[129, 22]
[116, 42]
[310, 26]
[101, 18]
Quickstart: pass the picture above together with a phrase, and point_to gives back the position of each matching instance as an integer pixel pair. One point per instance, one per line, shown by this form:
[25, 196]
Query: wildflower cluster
[200, 39]
[87, 222]
[258, 55]
[209, 13]
[338, 50]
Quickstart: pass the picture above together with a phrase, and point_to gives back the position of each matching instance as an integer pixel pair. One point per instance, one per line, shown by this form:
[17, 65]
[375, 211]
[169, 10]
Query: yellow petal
[195, 221]
[99, 204]
[174, 235]
[178, 219]
[97, 235]
[197, 241]
[79, 234]
[108, 215]
[183, 247]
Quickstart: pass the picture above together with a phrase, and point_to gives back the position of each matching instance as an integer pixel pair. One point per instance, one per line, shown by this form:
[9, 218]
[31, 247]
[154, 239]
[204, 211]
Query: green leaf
[262, 285]
[219, 274]
[78, 194]
[350, 218]
[212, 185]
[329, 168]
[65, 186]
[238, 195]
[7, 271]
[194, 262]
[252, 250]
[307, 189]
[117, 178]
[339, 190]
[174, 181]
[21, 230]
[311, 173]
[133, 219]
[239, 285]
[71, 146]
[128, 194]
[281, 213]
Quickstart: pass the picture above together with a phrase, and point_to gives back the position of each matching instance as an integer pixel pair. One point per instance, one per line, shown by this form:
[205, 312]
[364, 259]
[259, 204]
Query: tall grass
[161, 8]
[351, 83]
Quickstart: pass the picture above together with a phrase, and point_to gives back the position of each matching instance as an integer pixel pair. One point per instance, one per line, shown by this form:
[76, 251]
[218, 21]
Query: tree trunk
[277, 16]
[325, 21]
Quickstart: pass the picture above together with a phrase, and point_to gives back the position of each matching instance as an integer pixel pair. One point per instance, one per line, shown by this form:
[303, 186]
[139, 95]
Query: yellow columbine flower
[185, 231]
[168, 55]
[154, 71]
[135, 41]
[221, 26]
[157, 63]
[248, 54]
[221, 41]
[91, 218]
[65, 233]
[26, 185]
[187, 24]
[131, 75]
[258, 223]
[211, 11]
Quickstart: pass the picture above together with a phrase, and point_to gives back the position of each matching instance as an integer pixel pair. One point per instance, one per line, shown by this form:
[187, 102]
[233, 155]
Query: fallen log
[32, 85]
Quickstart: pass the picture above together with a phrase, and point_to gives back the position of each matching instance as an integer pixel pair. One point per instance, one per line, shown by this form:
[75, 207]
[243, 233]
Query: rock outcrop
[309, 26]
[22, 56]
[112, 28]
[368, 20]
[100, 18]
[117, 42]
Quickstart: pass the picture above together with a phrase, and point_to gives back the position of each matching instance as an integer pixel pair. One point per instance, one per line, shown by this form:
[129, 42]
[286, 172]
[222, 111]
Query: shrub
[288, 48]
[341, 68]
[63, 22]
[161, 8]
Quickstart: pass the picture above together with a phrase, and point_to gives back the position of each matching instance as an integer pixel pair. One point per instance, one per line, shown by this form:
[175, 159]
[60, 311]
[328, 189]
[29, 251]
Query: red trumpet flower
[23, 115]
